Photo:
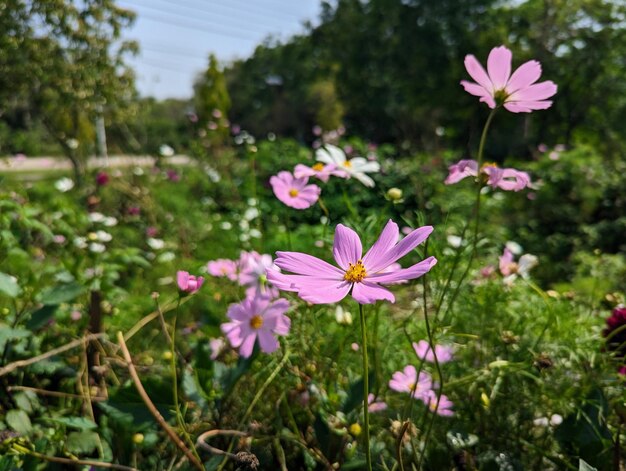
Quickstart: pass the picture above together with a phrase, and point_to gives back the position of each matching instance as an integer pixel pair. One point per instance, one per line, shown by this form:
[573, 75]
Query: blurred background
[152, 72]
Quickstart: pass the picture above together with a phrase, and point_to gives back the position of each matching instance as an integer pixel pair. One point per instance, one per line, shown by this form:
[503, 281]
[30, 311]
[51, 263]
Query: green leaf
[8, 334]
[40, 317]
[355, 393]
[82, 443]
[8, 285]
[60, 294]
[19, 421]
[79, 423]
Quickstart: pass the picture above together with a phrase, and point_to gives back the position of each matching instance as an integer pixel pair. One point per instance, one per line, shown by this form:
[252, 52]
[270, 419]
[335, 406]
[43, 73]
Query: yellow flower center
[489, 164]
[500, 96]
[293, 192]
[318, 167]
[355, 273]
[256, 322]
[347, 164]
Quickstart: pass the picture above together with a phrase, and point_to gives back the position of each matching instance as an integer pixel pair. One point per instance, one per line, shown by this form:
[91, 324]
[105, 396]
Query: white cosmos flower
[155, 244]
[64, 184]
[97, 247]
[356, 167]
[104, 236]
[342, 316]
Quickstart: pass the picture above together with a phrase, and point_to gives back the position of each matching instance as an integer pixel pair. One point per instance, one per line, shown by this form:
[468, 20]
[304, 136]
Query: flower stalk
[366, 417]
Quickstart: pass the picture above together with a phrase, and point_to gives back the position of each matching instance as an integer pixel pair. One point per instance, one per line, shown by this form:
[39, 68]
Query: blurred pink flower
[216, 346]
[256, 317]
[188, 283]
[133, 210]
[319, 170]
[517, 92]
[460, 170]
[408, 381]
[223, 267]
[253, 268]
[423, 351]
[151, 231]
[319, 282]
[317, 130]
[102, 178]
[373, 405]
[442, 407]
[507, 179]
[294, 192]
[172, 175]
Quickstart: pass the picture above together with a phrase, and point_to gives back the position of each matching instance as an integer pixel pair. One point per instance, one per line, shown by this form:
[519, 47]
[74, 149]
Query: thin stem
[151, 407]
[366, 416]
[437, 366]
[256, 398]
[481, 148]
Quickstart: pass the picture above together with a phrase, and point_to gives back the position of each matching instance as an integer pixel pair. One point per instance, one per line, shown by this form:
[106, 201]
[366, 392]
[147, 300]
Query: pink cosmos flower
[188, 283]
[443, 407]
[102, 178]
[409, 381]
[517, 92]
[319, 282]
[256, 317]
[294, 192]
[511, 269]
[253, 268]
[460, 170]
[423, 351]
[319, 170]
[375, 406]
[507, 179]
[223, 267]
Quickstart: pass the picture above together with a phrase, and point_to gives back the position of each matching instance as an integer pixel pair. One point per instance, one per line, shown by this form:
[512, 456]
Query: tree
[63, 60]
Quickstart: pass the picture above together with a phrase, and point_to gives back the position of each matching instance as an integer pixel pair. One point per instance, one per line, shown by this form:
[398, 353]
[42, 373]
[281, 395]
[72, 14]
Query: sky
[176, 36]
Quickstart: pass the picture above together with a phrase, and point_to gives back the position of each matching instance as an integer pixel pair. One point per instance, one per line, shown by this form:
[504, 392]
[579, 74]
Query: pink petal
[267, 341]
[538, 91]
[387, 239]
[499, 66]
[477, 72]
[237, 312]
[182, 278]
[232, 330]
[414, 271]
[305, 264]
[527, 106]
[326, 295]
[475, 89]
[303, 171]
[347, 247]
[525, 75]
[368, 293]
[247, 346]
[407, 244]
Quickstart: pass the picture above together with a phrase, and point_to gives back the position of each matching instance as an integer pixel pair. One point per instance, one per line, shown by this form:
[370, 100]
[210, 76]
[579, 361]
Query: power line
[246, 7]
[187, 17]
[172, 52]
[199, 27]
[193, 7]
[186, 25]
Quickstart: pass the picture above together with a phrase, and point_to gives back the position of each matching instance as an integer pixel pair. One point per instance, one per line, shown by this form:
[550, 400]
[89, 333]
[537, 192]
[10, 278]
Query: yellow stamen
[356, 272]
[318, 167]
[293, 192]
[489, 164]
[256, 322]
[347, 164]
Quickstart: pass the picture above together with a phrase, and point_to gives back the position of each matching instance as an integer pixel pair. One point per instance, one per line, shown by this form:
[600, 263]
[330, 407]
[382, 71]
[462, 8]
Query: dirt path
[43, 164]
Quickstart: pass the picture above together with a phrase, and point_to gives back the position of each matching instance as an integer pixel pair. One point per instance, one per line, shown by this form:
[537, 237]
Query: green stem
[481, 148]
[256, 399]
[366, 416]
[437, 366]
